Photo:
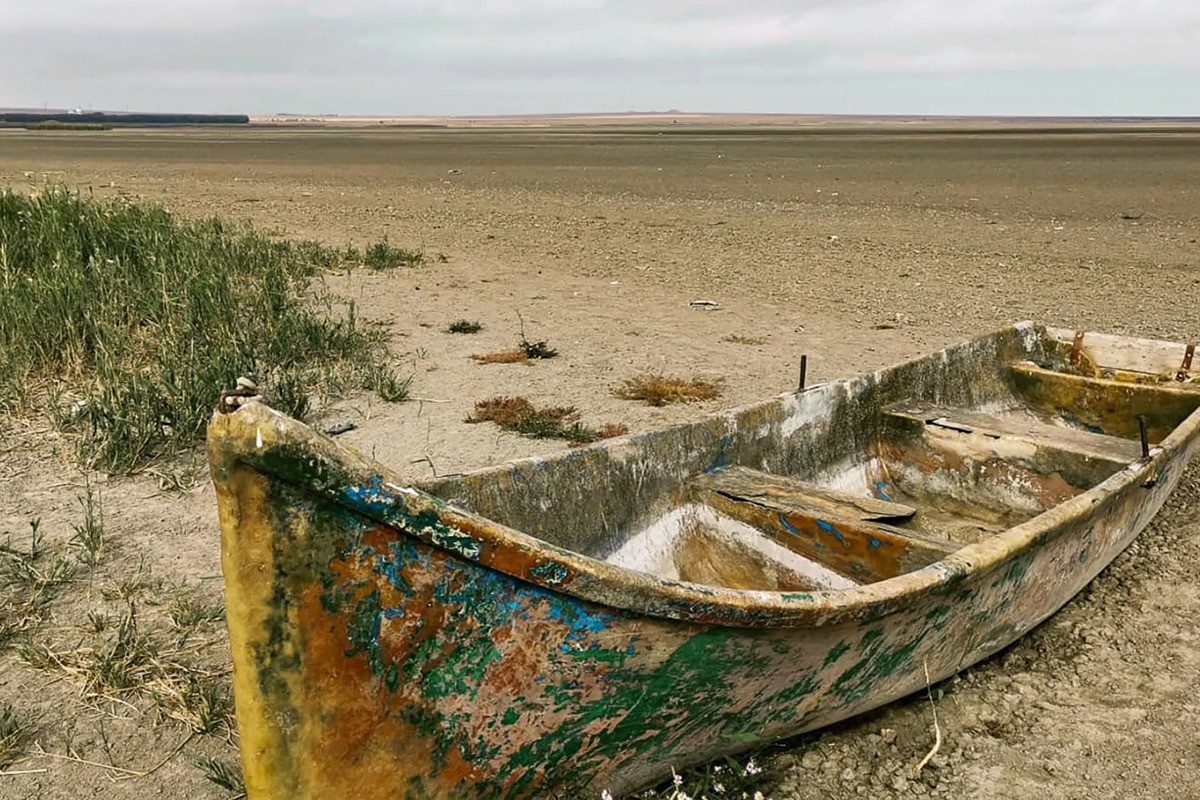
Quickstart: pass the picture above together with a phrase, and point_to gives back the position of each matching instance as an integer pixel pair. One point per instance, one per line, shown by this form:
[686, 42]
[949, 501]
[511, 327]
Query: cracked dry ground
[858, 249]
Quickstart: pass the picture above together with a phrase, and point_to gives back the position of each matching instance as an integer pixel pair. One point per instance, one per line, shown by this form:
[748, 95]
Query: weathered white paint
[652, 549]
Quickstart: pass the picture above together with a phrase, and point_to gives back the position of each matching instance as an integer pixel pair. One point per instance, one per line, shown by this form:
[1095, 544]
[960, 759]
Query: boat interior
[856, 481]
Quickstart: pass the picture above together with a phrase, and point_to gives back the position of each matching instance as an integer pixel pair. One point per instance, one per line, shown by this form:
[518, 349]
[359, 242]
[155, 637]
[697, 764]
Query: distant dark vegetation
[55, 125]
[100, 118]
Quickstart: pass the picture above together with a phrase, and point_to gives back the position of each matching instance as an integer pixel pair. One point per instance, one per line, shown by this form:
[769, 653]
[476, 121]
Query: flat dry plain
[856, 247]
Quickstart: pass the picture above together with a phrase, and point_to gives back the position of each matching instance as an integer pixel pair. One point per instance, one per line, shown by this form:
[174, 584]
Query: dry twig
[937, 729]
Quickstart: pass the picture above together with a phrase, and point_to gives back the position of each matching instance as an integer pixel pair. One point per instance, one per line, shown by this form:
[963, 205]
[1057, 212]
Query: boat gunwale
[593, 580]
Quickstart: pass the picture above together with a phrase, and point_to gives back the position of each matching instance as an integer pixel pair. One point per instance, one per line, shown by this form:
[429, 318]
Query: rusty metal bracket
[1186, 366]
[233, 399]
[1077, 348]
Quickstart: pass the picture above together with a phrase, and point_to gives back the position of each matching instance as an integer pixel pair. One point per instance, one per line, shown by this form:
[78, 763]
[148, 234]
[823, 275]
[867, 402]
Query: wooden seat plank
[1024, 427]
[862, 550]
[785, 491]
[1107, 405]
[745, 560]
[1151, 357]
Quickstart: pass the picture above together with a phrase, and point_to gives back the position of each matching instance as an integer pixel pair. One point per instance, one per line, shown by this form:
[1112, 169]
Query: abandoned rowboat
[559, 626]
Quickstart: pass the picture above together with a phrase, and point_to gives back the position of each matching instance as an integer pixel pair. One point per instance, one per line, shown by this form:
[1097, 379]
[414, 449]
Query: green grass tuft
[89, 534]
[123, 323]
[16, 732]
[384, 256]
[464, 326]
[226, 775]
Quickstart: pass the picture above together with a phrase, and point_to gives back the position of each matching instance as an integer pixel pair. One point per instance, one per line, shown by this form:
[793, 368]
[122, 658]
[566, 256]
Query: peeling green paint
[363, 631]
[878, 662]
[836, 652]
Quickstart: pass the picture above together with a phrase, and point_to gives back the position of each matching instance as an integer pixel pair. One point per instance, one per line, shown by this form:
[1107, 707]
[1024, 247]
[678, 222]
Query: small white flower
[719, 788]
[676, 778]
[758, 796]
[752, 768]
[606, 795]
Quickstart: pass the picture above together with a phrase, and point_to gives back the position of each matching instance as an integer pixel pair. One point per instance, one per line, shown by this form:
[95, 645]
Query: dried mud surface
[859, 249]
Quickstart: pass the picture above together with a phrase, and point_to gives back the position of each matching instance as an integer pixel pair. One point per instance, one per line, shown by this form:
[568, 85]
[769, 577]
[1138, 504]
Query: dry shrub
[526, 351]
[503, 357]
[611, 430]
[510, 411]
[659, 390]
[747, 340]
[518, 415]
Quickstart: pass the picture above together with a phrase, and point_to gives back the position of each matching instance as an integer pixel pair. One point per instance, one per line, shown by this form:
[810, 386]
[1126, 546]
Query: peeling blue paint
[550, 572]
[456, 542]
[723, 458]
[829, 528]
[371, 497]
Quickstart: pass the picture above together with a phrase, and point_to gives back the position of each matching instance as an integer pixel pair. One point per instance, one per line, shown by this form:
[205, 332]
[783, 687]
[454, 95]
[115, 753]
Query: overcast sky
[474, 57]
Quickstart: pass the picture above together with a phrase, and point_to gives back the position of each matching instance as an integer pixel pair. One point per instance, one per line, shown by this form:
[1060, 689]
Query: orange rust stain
[353, 725]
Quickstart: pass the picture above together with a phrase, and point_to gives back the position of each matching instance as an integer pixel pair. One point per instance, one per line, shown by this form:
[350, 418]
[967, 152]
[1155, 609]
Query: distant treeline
[26, 118]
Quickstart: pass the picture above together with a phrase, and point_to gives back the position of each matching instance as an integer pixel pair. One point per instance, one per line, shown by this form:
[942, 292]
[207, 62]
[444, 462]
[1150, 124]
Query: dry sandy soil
[858, 249]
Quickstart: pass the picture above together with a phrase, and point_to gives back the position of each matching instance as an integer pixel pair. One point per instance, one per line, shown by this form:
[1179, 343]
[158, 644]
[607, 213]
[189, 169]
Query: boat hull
[386, 648]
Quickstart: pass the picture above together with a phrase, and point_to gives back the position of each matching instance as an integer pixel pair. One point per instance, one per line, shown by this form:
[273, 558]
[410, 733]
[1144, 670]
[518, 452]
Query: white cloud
[318, 53]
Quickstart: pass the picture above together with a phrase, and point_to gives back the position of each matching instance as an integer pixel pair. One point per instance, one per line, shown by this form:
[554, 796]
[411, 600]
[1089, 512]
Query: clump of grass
[384, 256]
[194, 698]
[89, 534]
[659, 390]
[464, 326]
[539, 349]
[227, 776]
[16, 732]
[97, 622]
[189, 612]
[9, 629]
[518, 415]
[383, 380]
[31, 579]
[135, 663]
[124, 323]
[734, 338]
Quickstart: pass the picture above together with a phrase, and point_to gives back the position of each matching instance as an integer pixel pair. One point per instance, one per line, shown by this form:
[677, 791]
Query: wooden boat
[558, 626]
